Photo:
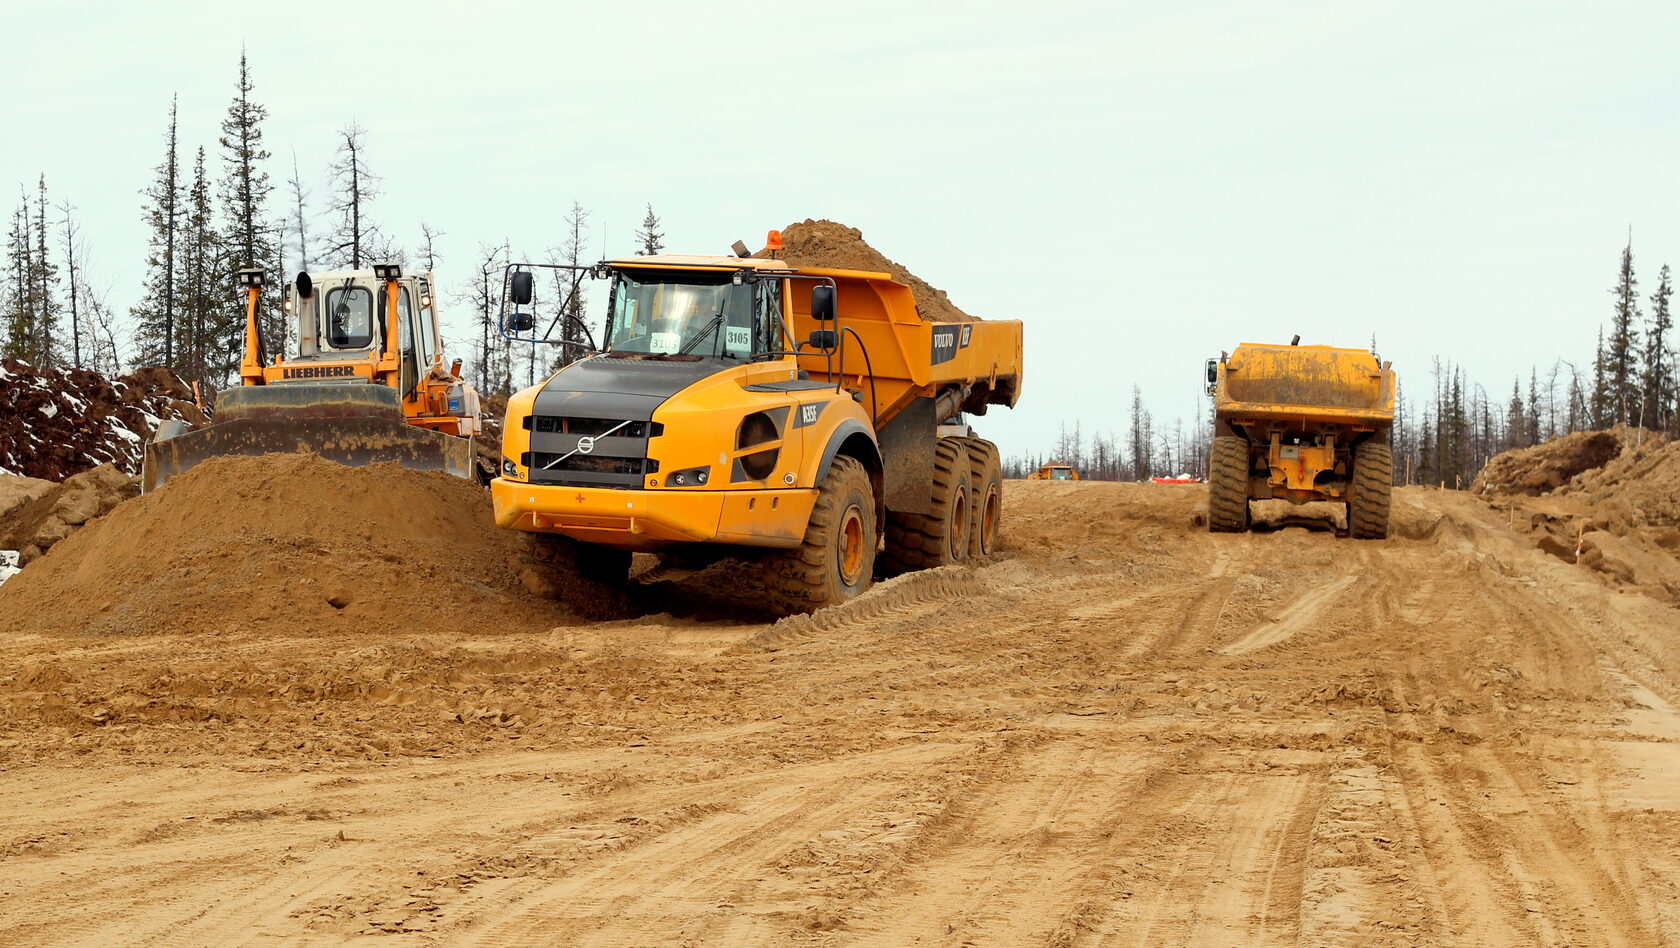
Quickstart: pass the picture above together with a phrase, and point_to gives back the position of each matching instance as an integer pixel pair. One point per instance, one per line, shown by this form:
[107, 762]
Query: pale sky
[1142, 184]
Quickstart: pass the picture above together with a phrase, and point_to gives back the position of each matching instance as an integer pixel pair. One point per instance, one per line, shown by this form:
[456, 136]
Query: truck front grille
[589, 452]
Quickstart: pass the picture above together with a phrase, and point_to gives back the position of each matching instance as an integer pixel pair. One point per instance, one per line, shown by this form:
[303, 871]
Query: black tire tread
[1372, 490]
[805, 578]
[918, 541]
[985, 474]
[1228, 485]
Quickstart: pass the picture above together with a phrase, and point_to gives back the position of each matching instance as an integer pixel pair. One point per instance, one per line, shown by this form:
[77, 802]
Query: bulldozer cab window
[405, 318]
[700, 312]
[349, 317]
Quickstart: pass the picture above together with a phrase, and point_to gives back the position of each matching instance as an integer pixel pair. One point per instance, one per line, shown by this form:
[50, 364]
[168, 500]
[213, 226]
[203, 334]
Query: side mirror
[1213, 371]
[522, 322]
[822, 303]
[522, 287]
[824, 339]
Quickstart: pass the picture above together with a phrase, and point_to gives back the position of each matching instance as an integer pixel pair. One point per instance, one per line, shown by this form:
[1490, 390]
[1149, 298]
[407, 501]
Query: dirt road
[1123, 732]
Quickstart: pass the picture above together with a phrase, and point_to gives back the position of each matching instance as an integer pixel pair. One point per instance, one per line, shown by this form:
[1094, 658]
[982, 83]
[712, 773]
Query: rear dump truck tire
[924, 541]
[1373, 483]
[836, 561]
[1228, 485]
[587, 577]
[985, 496]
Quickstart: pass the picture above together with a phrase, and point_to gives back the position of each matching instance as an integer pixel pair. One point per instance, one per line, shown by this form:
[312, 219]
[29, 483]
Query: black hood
[590, 399]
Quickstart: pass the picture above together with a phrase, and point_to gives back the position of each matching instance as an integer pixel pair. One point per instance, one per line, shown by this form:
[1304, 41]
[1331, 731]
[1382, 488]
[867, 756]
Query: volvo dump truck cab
[1302, 424]
[746, 407]
[365, 381]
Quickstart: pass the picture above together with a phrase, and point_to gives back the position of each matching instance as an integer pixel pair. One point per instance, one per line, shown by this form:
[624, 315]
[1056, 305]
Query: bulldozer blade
[353, 440]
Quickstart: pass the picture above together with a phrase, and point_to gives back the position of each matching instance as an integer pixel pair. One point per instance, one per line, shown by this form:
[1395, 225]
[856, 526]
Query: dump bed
[1311, 384]
[901, 356]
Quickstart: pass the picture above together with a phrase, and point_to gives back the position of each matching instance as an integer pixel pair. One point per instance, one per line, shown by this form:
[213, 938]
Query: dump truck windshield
[694, 312]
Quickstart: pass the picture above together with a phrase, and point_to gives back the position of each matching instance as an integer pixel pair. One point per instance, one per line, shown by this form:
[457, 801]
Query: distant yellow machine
[1055, 472]
[1301, 423]
[745, 407]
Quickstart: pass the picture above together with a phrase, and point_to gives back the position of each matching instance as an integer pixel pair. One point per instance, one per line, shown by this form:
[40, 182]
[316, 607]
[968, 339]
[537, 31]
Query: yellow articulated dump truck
[1055, 472]
[743, 407]
[1301, 423]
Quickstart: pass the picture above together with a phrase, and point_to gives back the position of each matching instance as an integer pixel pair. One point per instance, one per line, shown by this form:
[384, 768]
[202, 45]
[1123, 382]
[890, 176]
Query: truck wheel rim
[988, 521]
[958, 529]
[851, 546]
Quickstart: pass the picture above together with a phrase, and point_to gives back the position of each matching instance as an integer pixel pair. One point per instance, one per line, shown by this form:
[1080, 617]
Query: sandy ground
[1122, 732]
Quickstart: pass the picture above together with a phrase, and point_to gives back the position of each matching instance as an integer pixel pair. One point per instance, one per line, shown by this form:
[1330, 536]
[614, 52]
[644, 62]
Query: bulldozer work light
[387, 271]
[251, 277]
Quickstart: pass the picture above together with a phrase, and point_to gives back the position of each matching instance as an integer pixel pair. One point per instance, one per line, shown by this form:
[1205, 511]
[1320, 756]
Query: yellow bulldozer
[1302, 424]
[366, 383]
[741, 406]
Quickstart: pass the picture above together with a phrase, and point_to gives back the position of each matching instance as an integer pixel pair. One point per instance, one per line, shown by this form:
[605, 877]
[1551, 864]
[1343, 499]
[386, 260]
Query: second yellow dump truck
[1301, 423]
[745, 407]
[1055, 472]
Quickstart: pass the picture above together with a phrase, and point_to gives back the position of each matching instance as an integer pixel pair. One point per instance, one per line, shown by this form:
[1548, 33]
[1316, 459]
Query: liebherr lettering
[318, 372]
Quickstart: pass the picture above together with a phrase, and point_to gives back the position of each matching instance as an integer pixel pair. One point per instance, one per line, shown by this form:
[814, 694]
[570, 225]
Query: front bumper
[651, 519]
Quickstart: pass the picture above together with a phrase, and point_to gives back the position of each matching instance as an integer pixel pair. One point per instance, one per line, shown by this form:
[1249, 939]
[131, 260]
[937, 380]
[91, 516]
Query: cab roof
[677, 261]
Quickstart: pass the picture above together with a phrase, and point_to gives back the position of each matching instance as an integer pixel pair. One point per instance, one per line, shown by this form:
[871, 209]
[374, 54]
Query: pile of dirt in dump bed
[812, 243]
[1546, 467]
[55, 423]
[283, 543]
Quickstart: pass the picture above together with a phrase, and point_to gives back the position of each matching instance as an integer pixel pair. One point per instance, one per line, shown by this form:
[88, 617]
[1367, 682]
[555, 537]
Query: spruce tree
[248, 239]
[1621, 349]
[205, 323]
[46, 346]
[649, 238]
[20, 294]
[154, 315]
[1655, 378]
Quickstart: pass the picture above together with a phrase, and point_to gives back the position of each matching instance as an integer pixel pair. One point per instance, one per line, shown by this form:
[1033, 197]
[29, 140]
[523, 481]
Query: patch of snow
[49, 410]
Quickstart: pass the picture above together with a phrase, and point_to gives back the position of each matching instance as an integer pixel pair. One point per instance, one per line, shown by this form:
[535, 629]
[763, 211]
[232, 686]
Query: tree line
[210, 212]
[1448, 435]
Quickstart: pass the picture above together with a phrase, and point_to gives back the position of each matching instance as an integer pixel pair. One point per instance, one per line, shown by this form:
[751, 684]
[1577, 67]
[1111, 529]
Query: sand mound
[813, 243]
[56, 423]
[283, 543]
[1642, 484]
[1546, 467]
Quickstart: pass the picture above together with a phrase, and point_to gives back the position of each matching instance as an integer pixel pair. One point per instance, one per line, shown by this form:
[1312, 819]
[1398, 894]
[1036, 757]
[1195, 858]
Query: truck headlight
[510, 470]
[690, 477]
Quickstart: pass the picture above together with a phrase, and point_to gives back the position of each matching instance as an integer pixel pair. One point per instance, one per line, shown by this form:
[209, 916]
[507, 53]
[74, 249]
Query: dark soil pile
[813, 243]
[283, 543]
[1546, 467]
[55, 423]
[44, 517]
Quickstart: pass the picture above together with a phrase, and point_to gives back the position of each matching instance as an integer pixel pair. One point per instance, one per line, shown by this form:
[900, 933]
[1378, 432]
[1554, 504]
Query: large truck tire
[836, 561]
[587, 577]
[985, 496]
[1228, 485]
[1373, 484]
[925, 541]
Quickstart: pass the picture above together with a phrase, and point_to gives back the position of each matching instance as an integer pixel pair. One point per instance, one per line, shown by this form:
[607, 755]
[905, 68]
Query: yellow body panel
[652, 519]
[1302, 408]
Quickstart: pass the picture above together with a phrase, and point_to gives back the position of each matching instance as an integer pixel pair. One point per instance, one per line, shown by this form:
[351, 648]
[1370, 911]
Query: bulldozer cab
[340, 316]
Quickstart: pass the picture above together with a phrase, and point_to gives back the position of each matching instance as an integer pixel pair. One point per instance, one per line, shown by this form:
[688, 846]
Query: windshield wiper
[711, 327]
